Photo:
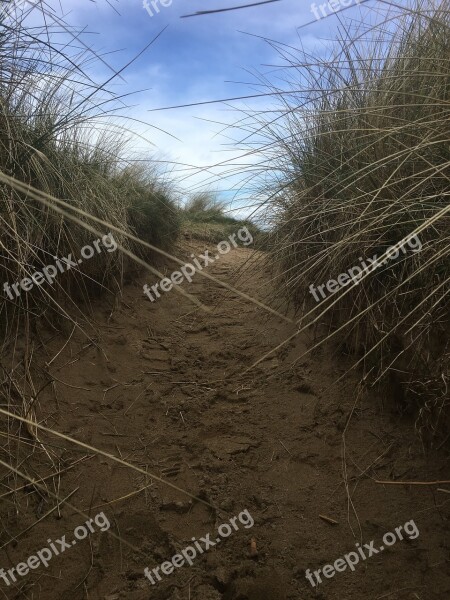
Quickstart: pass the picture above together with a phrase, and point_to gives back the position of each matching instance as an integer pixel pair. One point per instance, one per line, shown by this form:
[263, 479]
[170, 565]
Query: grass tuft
[56, 135]
[362, 159]
[205, 218]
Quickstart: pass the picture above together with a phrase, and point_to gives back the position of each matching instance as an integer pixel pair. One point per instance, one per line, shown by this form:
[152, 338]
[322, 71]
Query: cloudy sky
[198, 59]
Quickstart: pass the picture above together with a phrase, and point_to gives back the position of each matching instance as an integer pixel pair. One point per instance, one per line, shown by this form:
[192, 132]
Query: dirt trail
[166, 393]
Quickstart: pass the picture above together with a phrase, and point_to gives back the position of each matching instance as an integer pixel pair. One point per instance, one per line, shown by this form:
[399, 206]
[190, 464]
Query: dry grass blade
[106, 455]
[59, 500]
[221, 10]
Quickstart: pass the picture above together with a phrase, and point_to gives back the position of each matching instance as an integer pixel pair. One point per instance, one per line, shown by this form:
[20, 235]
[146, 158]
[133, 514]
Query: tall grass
[56, 135]
[362, 160]
[204, 217]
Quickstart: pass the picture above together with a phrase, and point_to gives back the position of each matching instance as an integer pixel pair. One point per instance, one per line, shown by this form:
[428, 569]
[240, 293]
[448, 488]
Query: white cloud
[186, 72]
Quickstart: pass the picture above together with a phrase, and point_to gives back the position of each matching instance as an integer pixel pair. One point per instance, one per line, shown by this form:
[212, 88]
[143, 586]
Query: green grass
[204, 218]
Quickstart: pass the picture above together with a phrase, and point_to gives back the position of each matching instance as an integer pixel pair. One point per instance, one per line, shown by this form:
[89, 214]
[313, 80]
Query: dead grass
[360, 161]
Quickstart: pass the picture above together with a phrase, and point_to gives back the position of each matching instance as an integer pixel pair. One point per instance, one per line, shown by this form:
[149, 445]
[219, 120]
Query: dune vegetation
[361, 158]
[205, 217]
[49, 109]
[162, 367]
[358, 161]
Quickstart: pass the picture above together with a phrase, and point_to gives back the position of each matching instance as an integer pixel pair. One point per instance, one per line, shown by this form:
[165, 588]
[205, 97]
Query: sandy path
[166, 393]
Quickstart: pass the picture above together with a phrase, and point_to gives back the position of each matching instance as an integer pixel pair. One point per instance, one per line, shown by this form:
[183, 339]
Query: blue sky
[196, 59]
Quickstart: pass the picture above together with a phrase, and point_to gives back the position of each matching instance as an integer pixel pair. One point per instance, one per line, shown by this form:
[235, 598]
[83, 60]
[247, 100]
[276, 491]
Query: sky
[193, 60]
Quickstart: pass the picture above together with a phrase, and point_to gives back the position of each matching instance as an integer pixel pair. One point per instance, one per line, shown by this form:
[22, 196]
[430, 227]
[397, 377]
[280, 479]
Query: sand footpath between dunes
[163, 390]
